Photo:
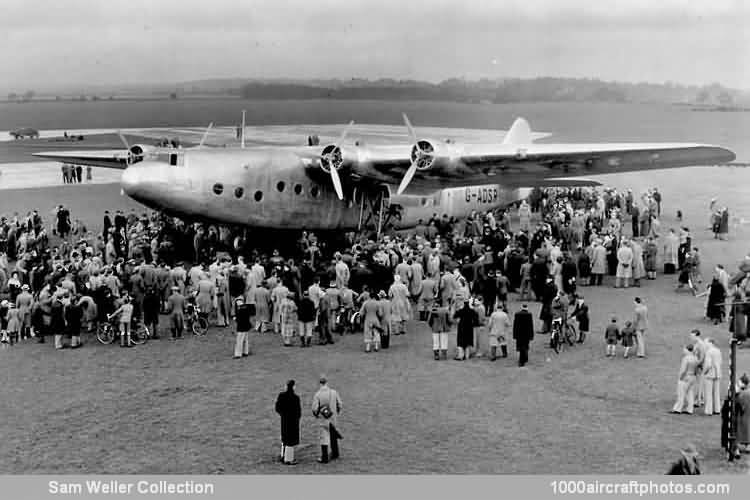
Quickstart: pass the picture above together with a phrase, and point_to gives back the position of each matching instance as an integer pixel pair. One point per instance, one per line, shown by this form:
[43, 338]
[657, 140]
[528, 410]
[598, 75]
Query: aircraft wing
[111, 158]
[456, 165]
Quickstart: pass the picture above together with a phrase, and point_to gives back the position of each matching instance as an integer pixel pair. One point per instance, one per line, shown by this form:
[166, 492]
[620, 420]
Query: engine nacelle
[426, 153]
[336, 157]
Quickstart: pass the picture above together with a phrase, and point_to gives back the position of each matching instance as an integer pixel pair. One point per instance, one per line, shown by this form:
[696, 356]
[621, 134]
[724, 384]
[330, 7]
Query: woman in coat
[624, 265]
[716, 299]
[467, 320]
[400, 305]
[289, 408]
[205, 298]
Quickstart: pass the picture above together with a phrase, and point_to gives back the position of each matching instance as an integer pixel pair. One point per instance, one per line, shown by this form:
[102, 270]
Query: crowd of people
[443, 272]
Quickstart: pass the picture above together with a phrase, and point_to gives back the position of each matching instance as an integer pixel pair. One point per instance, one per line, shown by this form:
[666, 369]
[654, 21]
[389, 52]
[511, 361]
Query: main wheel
[570, 334]
[139, 334]
[200, 326]
[105, 333]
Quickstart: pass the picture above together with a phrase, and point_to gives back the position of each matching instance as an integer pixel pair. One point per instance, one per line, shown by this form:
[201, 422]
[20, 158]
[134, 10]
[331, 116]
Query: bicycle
[108, 331]
[558, 338]
[195, 322]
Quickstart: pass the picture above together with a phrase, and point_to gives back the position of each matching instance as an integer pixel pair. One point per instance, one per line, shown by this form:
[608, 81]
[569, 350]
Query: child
[628, 337]
[126, 315]
[612, 335]
[4, 338]
[14, 324]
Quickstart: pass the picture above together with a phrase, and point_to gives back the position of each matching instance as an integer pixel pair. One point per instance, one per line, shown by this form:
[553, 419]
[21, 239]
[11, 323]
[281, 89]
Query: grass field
[187, 407]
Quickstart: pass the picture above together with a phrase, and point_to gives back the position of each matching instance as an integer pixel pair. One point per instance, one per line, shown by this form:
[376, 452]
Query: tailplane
[519, 133]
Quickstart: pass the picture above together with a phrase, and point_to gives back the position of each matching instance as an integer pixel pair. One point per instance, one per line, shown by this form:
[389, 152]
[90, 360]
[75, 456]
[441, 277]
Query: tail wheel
[105, 333]
[140, 334]
[200, 326]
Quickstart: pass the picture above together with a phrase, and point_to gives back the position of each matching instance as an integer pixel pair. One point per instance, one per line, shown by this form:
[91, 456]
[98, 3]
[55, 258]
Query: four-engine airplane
[347, 186]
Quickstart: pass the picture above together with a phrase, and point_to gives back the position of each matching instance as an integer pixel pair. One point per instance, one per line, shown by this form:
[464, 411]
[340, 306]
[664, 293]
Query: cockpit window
[280, 186]
[218, 189]
[238, 192]
[298, 189]
[258, 195]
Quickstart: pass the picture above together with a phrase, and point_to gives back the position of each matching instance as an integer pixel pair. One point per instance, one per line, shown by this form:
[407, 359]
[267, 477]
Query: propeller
[333, 155]
[205, 134]
[127, 147]
[420, 157]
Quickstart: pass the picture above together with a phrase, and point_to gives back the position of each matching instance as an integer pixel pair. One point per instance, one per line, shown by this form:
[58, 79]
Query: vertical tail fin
[519, 133]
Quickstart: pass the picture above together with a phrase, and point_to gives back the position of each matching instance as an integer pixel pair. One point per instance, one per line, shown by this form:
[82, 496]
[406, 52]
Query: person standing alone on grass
[290, 410]
[243, 324]
[523, 333]
[641, 325]
[326, 406]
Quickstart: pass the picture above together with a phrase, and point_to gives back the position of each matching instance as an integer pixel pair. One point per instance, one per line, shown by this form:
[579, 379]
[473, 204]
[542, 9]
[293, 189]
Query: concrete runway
[47, 174]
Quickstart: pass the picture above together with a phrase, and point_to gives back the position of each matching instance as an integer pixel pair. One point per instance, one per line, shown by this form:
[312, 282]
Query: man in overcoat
[289, 408]
[523, 333]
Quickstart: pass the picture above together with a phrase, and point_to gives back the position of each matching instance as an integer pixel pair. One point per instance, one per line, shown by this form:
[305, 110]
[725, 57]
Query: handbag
[325, 411]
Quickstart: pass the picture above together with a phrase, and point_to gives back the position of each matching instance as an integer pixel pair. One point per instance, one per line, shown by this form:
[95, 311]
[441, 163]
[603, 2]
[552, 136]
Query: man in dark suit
[523, 333]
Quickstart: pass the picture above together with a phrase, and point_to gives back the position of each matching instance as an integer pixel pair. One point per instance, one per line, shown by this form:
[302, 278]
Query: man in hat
[243, 324]
[151, 304]
[523, 333]
[290, 410]
[326, 406]
[175, 310]
[440, 322]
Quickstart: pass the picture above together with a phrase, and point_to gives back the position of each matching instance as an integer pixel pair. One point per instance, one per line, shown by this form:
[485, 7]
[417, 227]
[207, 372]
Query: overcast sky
[43, 42]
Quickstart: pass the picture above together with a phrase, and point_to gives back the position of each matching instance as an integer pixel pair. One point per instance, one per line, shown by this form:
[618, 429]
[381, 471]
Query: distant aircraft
[340, 186]
[20, 133]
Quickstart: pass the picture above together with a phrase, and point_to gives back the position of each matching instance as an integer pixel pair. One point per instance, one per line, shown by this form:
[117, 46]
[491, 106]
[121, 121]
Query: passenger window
[280, 186]
[218, 189]
[173, 160]
[238, 192]
[298, 189]
[314, 191]
[258, 195]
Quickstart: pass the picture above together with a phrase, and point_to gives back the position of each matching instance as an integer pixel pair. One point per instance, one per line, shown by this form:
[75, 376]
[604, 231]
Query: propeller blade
[127, 146]
[412, 133]
[407, 177]
[344, 134]
[337, 183]
[205, 134]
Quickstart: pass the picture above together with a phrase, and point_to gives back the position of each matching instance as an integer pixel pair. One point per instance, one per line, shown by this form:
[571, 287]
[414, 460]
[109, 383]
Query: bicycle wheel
[105, 333]
[570, 334]
[139, 334]
[200, 326]
[554, 342]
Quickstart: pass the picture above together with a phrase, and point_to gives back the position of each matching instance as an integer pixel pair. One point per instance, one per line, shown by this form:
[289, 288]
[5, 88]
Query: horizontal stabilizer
[519, 133]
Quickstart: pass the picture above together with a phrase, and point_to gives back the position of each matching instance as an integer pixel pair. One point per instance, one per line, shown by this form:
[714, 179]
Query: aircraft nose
[130, 180]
